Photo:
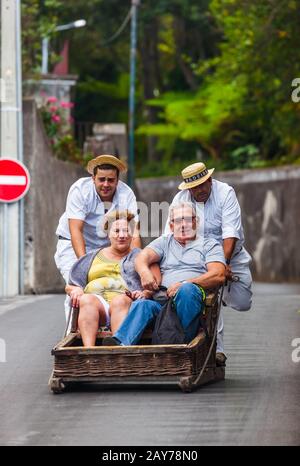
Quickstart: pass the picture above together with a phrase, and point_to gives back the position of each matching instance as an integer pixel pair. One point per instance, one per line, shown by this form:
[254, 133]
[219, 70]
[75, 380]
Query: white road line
[21, 301]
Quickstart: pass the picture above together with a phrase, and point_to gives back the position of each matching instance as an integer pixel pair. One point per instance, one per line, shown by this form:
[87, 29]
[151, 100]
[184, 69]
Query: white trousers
[237, 295]
[64, 258]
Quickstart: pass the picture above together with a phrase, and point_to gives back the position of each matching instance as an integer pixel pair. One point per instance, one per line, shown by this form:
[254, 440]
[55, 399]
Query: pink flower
[55, 118]
[52, 99]
[66, 104]
[53, 108]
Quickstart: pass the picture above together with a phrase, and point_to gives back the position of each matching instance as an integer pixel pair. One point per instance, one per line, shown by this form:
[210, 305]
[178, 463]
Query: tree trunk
[180, 38]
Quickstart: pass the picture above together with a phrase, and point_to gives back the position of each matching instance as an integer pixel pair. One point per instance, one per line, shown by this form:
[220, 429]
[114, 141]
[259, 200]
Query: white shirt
[219, 216]
[84, 203]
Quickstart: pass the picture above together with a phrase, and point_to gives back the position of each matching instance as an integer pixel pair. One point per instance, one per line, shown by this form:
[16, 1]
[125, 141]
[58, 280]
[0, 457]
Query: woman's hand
[145, 294]
[75, 294]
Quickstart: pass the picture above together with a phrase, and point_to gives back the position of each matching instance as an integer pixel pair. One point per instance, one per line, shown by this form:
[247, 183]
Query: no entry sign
[14, 180]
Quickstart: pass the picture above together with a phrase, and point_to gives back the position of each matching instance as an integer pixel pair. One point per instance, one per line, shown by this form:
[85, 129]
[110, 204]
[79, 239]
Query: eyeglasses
[180, 220]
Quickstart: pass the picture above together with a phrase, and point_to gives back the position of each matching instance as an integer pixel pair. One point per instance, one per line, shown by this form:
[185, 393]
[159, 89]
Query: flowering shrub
[57, 122]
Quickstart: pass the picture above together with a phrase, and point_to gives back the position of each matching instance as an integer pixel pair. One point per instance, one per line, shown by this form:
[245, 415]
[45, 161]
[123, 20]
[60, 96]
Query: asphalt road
[257, 404]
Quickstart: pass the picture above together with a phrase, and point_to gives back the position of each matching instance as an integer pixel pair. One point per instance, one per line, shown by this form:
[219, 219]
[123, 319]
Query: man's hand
[148, 280]
[228, 273]
[142, 263]
[172, 290]
[75, 295]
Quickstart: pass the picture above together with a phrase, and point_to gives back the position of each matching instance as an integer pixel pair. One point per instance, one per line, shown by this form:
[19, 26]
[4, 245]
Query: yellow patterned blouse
[105, 278]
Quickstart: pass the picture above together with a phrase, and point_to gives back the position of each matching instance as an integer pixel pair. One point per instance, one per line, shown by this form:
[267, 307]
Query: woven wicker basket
[142, 363]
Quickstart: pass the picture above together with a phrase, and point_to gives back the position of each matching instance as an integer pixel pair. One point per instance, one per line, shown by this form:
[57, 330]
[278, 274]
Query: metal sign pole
[11, 142]
[5, 250]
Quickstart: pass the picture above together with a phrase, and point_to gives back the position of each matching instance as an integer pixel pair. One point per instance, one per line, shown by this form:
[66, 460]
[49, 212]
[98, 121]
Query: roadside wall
[44, 204]
[269, 200]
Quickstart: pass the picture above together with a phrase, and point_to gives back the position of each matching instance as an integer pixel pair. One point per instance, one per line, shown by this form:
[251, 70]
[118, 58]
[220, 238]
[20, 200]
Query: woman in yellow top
[104, 283]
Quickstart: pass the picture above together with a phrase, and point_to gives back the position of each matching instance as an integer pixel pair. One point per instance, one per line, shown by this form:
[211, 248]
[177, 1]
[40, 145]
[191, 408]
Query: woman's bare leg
[91, 315]
[118, 309]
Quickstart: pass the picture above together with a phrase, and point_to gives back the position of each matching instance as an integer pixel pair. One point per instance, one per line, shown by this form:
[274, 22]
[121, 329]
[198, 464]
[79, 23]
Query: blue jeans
[189, 306]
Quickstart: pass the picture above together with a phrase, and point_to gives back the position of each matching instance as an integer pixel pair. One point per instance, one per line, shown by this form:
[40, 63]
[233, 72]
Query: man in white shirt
[220, 218]
[80, 229]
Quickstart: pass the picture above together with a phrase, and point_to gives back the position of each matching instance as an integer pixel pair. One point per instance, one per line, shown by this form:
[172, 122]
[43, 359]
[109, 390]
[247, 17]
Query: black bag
[160, 296]
[168, 329]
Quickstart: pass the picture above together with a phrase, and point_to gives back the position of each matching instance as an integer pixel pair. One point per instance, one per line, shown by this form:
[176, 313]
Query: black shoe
[110, 341]
[221, 359]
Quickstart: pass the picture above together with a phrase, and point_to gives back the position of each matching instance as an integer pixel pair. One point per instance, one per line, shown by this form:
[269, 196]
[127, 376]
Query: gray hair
[181, 205]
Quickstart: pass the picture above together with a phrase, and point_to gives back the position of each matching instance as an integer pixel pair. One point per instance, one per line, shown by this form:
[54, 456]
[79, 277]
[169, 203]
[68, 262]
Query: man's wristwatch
[227, 261]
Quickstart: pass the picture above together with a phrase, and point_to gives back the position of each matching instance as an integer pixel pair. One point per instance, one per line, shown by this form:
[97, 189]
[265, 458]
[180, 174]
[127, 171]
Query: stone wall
[269, 200]
[44, 204]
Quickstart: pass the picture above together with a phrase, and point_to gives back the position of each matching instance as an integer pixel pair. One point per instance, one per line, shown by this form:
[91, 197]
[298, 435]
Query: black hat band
[196, 177]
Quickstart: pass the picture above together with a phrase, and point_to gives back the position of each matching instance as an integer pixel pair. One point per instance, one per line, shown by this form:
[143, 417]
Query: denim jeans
[189, 305]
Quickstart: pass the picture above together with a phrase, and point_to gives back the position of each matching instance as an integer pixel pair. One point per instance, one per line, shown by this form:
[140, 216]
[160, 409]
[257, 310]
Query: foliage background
[214, 78]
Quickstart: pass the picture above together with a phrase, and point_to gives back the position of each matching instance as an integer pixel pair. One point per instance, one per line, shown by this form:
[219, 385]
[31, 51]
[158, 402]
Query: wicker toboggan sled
[188, 365]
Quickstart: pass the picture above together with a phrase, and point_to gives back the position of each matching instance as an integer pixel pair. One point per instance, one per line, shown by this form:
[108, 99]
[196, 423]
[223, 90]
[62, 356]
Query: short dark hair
[106, 166]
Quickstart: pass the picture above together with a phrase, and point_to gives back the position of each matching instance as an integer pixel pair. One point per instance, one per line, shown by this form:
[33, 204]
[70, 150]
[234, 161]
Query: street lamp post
[45, 43]
[45, 53]
[135, 4]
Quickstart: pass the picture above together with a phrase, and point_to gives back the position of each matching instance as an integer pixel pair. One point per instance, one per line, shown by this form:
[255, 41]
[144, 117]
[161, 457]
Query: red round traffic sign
[14, 180]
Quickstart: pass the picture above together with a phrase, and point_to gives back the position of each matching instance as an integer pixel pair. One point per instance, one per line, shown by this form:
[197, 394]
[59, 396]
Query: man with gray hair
[188, 265]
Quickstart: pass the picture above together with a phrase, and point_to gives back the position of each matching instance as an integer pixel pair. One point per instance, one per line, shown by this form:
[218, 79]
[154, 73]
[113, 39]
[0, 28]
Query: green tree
[213, 77]
[242, 113]
[166, 58]
[265, 34]
[39, 19]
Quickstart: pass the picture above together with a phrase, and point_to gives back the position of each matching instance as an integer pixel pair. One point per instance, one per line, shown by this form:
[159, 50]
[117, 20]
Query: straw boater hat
[106, 159]
[194, 174]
